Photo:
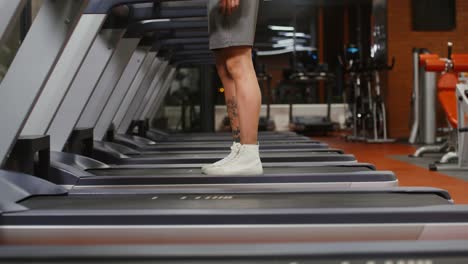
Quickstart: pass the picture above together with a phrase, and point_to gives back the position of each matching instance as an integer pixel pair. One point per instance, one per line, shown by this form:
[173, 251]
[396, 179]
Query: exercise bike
[352, 66]
[376, 120]
[366, 101]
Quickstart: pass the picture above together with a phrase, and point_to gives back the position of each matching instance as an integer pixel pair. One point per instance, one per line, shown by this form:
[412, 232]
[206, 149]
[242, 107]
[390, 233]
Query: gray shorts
[238, 29]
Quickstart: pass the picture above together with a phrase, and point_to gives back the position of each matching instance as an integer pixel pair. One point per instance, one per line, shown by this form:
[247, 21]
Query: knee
[222, 71]
[235, 66]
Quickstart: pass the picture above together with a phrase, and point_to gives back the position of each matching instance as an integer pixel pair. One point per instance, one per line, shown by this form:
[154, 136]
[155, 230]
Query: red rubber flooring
[408, 174]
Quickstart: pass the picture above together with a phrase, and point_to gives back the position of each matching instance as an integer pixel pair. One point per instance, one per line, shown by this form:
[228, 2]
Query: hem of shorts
[229, 45]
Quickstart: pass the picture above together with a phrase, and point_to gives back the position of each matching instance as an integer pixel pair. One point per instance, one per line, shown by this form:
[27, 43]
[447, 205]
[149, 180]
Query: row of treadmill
[77, 184]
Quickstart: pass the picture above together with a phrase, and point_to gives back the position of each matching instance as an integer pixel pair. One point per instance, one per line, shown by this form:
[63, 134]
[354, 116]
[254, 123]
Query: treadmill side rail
[15, 187]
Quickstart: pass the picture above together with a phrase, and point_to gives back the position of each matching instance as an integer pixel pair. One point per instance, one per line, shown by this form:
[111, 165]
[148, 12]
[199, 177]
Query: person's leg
[229, 94]
[231, 103]
[240, 68]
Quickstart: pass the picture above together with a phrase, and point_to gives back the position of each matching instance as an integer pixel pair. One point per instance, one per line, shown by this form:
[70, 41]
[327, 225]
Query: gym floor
[383, 157]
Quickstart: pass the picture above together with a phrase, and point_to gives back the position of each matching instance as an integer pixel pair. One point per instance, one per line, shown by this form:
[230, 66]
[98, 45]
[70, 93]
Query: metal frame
[128, 76]
[69, 88]
[461, 153]
[92, 17]
[153, 91]
[462, 95]
[108, 82]
[156, 101]
[102, 93]
[150, 80]
[83, 85]
[144, 72]
[123, 118]
[63, 74]
[73, 56]
[424, 127]
[424, 100]
[9, 14]
[32, 66]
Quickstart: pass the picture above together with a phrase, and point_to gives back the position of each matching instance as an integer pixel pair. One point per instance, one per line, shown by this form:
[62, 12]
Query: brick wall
[401, 40]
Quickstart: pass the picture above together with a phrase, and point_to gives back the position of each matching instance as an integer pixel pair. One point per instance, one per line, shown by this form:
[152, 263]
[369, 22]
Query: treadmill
[167, 178]
[173, 146]
[219, 137]
[154, 136]
[120, 154]
[35, 211]
[78, 172]
[59, 129]
[112, 154]
[125, 150]
[381, 252]
[62, 121]
[166, 134]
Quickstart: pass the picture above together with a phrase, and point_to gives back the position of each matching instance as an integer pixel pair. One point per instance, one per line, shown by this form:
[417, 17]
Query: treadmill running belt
[217, 145]
[285, 154]
[266, 158]
[135, 154]
[197, 171]
[233, 201]
[227, 144]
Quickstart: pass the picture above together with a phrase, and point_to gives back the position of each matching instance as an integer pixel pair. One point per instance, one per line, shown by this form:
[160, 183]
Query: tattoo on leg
[236, 135]
[233, 114]
[232, 107]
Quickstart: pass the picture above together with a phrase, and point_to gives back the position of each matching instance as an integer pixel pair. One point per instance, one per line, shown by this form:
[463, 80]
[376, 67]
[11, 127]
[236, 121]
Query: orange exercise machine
[452, 96]
[424, 100]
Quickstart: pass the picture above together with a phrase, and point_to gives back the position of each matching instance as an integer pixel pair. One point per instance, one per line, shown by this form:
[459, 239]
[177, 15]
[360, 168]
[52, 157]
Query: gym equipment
[110, 153]
[452, 99]
[424, 107]
[163, 146]
[52, 36]
[156, 134]
[264, 80]
[423, 101]
[201, 158]
[369, 114]
[133, 153]
[350, 62]
[217, 216]
[216, 137]
[315, 124]
[462, 96]
[9, 11]
[78, 171]
[76, 96]
[419, 252]
[306, 69]
[73, 170]
[378, 116]
[172, 203]
[61, 129]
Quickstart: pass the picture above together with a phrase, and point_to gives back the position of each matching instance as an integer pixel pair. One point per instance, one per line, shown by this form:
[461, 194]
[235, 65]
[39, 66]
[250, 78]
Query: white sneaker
[246, 163]
[234, 150]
